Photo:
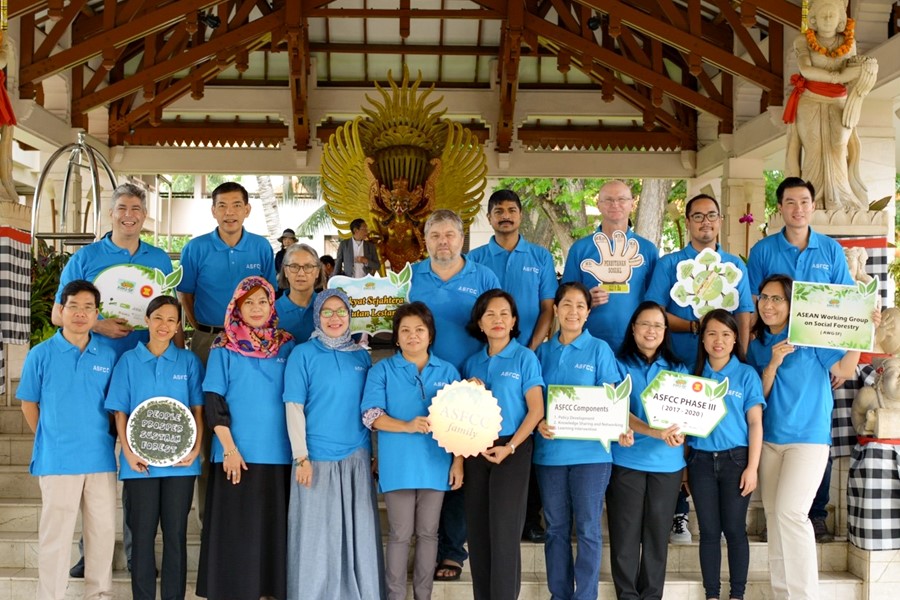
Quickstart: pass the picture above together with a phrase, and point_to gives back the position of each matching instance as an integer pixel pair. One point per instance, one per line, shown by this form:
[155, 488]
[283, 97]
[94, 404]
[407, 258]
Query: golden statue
[396, 165]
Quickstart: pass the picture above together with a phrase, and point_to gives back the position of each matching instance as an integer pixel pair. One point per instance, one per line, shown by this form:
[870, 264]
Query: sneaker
[77, 570]
[680, 533]
[823, 536]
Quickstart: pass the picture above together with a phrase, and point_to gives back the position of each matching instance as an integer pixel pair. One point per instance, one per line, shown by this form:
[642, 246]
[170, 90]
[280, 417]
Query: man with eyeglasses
[614, 263]
[703, 219]
[216, 262]
[803, 255]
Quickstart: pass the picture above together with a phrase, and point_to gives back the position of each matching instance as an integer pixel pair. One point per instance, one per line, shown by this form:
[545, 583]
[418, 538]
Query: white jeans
[789, 475]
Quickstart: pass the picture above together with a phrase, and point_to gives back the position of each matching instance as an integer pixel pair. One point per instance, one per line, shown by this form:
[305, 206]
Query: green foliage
[177, 244]
[182, 183]
[773, 178]
[46, 267]
[894, 272]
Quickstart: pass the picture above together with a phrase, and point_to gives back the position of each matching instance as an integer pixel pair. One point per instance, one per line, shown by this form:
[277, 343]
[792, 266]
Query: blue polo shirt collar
[400, 361]
[691, 252]
[61, 344]
[145, 355]
[579, 343]
[507, 352]
[109, 247]
[468, 267]
[221, 246]
[786, 245]
[498, 249]
[770, 339]
[731, 367]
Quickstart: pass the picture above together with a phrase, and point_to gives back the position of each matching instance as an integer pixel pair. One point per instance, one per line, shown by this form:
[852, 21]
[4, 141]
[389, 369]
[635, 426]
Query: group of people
[287, 404]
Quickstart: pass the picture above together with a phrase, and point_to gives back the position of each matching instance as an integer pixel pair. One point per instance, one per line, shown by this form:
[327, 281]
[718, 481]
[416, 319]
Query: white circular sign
[161, 431]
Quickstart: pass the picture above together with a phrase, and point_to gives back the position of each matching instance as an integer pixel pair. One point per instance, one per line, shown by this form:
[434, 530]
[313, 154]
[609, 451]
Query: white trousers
[789, 475]
[61, 498]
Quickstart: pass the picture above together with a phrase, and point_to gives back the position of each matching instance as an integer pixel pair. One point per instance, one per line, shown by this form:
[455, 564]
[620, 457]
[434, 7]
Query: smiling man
[121, 246]
[215, 263]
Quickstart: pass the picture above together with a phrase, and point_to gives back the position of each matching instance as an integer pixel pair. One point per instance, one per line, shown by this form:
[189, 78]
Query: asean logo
[146, 291]
[697, 386]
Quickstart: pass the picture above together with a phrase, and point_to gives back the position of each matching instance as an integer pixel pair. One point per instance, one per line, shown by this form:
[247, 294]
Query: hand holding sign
[616, 263]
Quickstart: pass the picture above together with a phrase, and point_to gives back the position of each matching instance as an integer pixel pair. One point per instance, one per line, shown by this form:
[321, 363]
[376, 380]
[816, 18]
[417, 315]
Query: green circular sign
[161, 431]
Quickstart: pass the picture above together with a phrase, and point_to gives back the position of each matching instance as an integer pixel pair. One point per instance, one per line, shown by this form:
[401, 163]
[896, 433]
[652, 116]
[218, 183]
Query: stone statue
[824, 108]
[7, 185]
[876, 408]
[856, 260]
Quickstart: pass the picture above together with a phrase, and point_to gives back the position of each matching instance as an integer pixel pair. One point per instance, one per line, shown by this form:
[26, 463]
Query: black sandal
[454, 570]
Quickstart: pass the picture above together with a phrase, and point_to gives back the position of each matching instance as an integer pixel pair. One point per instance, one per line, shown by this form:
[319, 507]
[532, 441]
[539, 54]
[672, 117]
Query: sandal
[452, 572]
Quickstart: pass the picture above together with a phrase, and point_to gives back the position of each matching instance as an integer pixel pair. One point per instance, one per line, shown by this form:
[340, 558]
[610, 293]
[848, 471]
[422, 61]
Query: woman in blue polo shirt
[413, 471]
[496, 486]
[646, 476]
[157, 495]
[243, 551]
[334, 539]
[722, 467]
[301, 273]
[796, 382]
[573, 474]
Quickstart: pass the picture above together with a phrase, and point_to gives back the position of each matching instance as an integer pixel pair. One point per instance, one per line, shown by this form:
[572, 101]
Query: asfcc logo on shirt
[468, 290]
[822, 266]
[511, 374]
[534, 270]
[585, 366]
[254, 266]
[101, 369]
[180, 377]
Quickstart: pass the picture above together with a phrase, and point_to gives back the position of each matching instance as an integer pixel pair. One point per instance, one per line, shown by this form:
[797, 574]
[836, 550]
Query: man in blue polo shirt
[525, 271]
[62, 391]
[216, 262]
[703, 219]
[121, 246]
[804, 255]
[449, 285]
[614, 263]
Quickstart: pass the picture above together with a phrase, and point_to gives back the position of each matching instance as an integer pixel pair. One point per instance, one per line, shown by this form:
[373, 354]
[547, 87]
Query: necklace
[841, 50]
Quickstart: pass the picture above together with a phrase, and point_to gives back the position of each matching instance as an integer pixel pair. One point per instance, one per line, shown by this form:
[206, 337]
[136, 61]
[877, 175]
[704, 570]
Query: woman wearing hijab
[243, 552]
[334, 542]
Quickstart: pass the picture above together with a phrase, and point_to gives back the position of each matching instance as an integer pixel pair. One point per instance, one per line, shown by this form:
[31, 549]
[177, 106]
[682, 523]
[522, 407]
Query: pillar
[743, 188]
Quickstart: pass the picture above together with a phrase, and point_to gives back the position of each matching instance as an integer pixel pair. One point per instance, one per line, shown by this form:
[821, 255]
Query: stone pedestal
[743, 188]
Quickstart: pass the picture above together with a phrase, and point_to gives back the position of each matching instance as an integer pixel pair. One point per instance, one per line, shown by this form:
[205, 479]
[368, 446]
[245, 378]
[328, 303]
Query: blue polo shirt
[798, 409]
[608, 321]
[508, 375]
[451, 304]
[526, 273]
[252, 387]
[296, 319]
[648, 453]
[213, 269]
[140, 375]
[684, 344]
[408, 460]
[93, 259]
[73, 434]
[744, 392]
[822, 262]
[329, 384]
[586, 361]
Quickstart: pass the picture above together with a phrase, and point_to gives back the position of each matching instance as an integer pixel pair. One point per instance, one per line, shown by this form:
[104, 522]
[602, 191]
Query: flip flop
[454, 571]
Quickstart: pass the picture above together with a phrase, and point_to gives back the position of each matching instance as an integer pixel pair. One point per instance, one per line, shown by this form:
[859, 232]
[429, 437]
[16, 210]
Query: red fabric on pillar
[6, 112]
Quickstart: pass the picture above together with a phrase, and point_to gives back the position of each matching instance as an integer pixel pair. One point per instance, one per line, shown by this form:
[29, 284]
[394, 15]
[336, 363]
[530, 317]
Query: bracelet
[695, 327]
[512, 448]
[230, 452]
[301, 461]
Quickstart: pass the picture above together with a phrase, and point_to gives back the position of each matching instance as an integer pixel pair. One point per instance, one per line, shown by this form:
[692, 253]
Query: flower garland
[840, 50]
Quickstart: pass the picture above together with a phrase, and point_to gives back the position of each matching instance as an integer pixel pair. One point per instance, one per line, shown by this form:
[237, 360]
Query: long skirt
[243, 549]
[334, 537]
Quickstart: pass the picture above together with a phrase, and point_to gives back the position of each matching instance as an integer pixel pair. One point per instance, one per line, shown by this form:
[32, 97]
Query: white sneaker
[680, 533]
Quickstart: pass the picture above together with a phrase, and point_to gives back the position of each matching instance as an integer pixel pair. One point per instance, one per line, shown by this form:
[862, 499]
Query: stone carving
[824, 108]
[856, 260]
[8, 187]
[876, 409]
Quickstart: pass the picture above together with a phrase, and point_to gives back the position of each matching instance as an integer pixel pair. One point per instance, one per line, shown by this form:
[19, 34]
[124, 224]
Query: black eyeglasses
[295, 268]
[712, 217]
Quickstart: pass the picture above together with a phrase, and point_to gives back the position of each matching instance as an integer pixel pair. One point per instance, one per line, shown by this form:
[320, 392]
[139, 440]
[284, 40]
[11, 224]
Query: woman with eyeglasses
[646, 476]
[796, 382]
[243, 548]
[301, 273]
[334, 538]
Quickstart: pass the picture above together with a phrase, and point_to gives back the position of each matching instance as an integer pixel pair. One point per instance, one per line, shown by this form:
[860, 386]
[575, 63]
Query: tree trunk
[651, 210]
[270, 209]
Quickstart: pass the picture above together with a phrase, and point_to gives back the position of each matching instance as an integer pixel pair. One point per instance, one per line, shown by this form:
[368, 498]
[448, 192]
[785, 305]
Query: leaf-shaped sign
[721, 389]
[172, 280]
[623, 390]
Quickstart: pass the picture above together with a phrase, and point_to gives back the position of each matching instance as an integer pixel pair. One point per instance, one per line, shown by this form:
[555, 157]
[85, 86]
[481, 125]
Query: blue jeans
[819, 508]
[452, 531]
[573, 492]
[715, 479]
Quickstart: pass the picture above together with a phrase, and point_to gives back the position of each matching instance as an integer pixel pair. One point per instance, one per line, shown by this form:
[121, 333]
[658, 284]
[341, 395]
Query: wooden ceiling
[671, 60]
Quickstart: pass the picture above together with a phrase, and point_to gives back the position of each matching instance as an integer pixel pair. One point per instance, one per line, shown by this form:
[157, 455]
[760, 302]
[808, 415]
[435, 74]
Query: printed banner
[695, 404]
[374, 299]
[706, 283]
[589, 412]
[126, 290]
[833, 316]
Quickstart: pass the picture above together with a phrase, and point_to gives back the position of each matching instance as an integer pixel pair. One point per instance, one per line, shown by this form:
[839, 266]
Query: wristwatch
[512, 448]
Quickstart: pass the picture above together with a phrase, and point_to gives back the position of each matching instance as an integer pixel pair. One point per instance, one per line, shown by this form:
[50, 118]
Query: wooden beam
[780, 11]
[210, 133]
[410, 49]
[743, 36]
[511, 52]
[597, 138]
[152, 22]
[18, 8]
[58, 29]
[619, 63]
[473, 14]
[298, 54]
[195, 55]
[682, 40]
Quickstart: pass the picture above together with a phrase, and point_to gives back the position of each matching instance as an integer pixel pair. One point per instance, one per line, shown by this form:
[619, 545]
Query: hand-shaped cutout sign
[618, 258]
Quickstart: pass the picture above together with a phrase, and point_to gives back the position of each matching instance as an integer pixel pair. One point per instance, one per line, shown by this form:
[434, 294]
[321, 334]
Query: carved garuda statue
[398, 164]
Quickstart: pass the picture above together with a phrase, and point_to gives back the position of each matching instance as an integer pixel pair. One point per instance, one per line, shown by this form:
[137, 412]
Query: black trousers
[155, 501]
[640, 506]
[496, 496]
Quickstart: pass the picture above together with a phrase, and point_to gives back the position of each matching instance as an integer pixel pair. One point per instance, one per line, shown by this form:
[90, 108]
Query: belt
[208, 328]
